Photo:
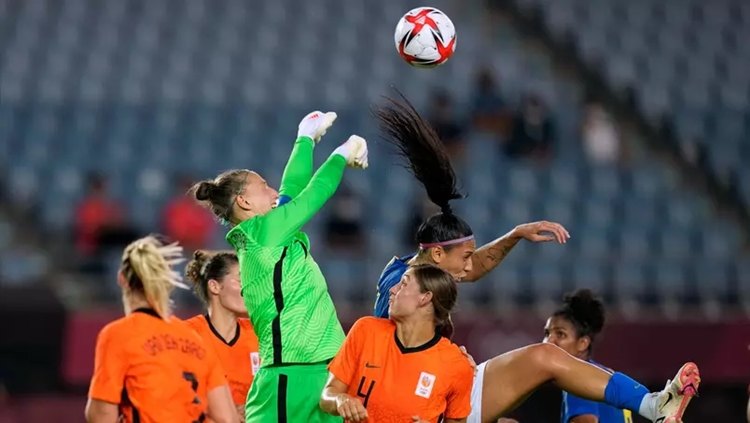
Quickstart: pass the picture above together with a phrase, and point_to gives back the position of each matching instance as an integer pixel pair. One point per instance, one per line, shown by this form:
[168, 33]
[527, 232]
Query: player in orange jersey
[404, 369]
[151, 367]
[216, 281]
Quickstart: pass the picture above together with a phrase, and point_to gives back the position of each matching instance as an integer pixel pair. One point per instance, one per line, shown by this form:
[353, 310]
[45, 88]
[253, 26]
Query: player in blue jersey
[574, 327]
[447, 241]
[444, 238]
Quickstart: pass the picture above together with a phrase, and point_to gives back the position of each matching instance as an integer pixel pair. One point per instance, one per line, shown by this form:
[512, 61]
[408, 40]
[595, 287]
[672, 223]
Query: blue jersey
[572, 406]
[390, 277]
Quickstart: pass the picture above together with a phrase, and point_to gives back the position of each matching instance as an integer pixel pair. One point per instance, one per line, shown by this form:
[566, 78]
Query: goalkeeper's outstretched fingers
[354, 150]
[315, 125]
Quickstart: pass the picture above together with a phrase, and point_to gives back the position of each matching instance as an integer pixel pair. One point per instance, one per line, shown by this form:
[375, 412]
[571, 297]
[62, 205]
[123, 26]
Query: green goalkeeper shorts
[288, 394]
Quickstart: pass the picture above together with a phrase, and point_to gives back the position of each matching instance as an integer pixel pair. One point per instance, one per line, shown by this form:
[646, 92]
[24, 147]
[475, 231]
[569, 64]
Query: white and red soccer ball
[425, 37]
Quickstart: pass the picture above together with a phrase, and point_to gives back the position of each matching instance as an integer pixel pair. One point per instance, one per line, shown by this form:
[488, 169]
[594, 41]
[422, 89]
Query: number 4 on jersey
[365, 395]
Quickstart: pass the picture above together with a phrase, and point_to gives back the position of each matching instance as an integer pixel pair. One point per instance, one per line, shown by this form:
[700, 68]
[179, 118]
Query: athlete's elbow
[101, 412]
[473, 275]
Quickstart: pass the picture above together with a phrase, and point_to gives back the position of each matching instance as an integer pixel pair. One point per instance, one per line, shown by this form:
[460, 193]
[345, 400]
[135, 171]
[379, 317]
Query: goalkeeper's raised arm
[285, 293]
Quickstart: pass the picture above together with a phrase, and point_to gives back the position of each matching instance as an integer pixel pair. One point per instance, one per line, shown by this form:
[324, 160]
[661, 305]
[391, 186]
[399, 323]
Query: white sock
[649, 405]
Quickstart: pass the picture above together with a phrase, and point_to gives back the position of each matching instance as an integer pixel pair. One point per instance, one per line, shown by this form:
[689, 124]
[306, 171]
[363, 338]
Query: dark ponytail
[446, 328]
[425, 157]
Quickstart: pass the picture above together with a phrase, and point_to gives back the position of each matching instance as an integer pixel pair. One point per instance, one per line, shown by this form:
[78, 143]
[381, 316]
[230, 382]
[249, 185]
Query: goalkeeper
[282, 286]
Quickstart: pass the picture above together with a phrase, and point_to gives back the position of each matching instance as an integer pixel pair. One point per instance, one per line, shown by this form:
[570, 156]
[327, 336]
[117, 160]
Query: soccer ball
[425, 37]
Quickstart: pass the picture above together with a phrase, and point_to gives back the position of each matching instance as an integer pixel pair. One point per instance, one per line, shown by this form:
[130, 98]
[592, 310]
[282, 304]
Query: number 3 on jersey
[190, 377]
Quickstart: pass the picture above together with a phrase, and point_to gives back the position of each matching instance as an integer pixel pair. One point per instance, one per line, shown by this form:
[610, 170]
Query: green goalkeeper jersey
[283, 288]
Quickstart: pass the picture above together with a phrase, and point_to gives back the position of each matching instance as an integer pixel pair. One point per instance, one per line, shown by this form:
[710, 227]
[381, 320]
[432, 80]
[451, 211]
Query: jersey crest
[255, 362]
[425, 385]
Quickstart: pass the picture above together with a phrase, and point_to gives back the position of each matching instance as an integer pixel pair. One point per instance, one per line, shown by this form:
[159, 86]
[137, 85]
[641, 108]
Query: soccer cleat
[674, 399]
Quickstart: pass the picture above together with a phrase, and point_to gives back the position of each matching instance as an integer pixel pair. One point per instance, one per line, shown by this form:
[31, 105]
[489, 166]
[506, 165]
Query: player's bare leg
[510, 378]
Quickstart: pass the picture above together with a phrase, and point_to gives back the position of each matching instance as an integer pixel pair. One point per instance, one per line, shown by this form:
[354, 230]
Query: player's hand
[350, 408]
[241, 413]
[416, 419]
[315, 125]
[354, 150]
[542, 231]
[504, 420]
[470, 358]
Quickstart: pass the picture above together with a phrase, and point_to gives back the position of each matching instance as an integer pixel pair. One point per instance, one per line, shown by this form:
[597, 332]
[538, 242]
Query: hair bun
[586, 308]
[195, 268]
[204, 189]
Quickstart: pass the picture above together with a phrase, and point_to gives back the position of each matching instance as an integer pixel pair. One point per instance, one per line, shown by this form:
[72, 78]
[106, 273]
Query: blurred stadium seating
[686, 58]
[140, 89]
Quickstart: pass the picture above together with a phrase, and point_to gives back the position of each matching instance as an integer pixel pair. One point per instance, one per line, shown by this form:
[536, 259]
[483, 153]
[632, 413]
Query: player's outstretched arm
[487, 257]
[335, 401]
[98, 411]
[299, 168]
[279, 225]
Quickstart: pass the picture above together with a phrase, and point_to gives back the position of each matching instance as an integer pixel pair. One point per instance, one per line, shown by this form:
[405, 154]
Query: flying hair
[147, 266]
[422, 150]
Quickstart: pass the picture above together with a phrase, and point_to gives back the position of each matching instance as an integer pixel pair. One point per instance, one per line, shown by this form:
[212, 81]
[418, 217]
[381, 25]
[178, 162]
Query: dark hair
[426, 158]
[585, 312]
[444, 294]
[207, 265]
[219, 195]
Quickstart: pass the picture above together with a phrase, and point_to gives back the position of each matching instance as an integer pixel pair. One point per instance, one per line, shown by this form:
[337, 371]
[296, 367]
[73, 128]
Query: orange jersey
[239, 357]
[157, 371]
[394, 383]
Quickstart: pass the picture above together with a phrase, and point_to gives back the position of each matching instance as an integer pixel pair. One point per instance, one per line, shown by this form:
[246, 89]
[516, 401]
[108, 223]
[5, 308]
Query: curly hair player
[503, 382]
[149, 366]
[574, 327]
[215, 276]
[284, 290]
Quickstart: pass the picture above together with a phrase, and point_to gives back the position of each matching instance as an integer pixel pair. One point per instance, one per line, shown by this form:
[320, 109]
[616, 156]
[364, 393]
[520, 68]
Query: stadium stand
[140, 89]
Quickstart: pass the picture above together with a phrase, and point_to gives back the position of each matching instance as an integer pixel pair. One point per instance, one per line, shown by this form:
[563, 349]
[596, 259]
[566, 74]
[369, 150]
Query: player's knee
[544, 355]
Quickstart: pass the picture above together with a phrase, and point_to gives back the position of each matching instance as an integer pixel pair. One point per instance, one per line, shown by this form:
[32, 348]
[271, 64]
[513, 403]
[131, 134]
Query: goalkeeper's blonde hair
[147, 268]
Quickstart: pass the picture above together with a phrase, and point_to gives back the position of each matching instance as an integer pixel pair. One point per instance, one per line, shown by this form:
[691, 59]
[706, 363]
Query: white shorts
[476, 395]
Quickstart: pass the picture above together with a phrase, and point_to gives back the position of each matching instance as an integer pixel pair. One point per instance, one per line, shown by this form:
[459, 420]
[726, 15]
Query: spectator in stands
[533, 131]
[489, 112]
[600, 135]
[100, 225]
[421, 209]
[344, 228]
[442, 117]
[185, 221]
[96, 215]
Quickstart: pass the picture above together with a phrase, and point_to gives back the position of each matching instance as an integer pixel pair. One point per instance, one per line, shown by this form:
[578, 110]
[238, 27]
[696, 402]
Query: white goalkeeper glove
[354, 150]
[315, 125]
